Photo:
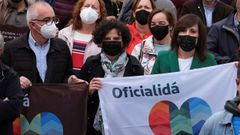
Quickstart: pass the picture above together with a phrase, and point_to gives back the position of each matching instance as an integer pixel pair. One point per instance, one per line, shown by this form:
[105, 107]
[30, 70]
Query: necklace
[117, 4]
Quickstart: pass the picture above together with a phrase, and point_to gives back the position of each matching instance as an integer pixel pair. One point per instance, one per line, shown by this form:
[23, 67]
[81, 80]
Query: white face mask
[88, 15]
[49, 31]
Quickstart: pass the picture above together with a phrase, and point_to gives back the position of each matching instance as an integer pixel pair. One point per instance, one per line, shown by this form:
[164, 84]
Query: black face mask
[142, 17]
[159, 32]
[187, 43]
[112, 48]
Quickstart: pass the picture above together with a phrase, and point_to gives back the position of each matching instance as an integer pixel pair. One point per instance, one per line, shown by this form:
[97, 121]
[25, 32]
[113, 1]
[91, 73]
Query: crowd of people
[73, 41]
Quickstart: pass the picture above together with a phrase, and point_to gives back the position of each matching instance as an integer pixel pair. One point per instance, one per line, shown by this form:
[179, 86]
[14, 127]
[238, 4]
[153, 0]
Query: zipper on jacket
[203, 15]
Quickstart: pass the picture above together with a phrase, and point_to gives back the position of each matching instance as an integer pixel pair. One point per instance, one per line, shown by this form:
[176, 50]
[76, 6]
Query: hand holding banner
[55, 109]
[174, 103]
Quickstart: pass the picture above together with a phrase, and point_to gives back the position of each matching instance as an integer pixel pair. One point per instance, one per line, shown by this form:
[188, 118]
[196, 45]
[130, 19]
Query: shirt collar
[206, 7]
[227, 119]
[32, 41]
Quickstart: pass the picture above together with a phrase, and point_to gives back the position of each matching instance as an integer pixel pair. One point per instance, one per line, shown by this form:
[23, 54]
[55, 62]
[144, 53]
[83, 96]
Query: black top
[113, 8]
[18, 55]
[10, 88]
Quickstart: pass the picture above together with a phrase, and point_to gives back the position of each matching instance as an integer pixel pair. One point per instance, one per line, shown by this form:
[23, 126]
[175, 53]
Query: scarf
[112, 69]
[232, 106]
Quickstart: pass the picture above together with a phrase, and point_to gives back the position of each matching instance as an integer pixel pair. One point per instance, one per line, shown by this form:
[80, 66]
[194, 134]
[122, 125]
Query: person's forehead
[92, 2]
[193, 27]
[144, 2]
[112, 32]
[159, 17]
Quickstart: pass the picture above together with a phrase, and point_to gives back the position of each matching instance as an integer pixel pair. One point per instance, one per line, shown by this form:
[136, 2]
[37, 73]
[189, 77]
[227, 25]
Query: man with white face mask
[38, 56]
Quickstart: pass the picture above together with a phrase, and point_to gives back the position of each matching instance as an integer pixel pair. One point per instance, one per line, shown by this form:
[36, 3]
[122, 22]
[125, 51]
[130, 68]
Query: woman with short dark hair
[188, 48]
[101, 31]
[113, 37]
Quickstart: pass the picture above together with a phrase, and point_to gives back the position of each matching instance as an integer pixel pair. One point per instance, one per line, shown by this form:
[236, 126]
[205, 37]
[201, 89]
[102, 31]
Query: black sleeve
[126, 11]
[69, 70]
[84, 73]
[10, 88]
[69, 67]
[213, 45]
[139, 68]
[6, 57]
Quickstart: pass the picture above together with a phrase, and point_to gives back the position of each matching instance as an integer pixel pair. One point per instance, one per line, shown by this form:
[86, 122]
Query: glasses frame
[48, 20]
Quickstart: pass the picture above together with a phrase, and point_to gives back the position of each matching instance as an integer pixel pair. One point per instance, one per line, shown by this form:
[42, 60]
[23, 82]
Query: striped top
[79, 45]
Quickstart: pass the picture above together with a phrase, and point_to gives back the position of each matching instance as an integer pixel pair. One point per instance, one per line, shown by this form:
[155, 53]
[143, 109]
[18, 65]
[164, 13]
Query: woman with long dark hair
[188, 48]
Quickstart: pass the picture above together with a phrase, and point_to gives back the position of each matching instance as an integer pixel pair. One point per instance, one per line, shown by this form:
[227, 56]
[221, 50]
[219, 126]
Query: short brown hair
[170, 17]
[134, 7]
[76, 20]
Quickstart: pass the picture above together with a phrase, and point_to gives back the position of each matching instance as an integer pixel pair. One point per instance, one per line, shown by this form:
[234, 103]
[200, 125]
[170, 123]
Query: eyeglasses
[48, 20]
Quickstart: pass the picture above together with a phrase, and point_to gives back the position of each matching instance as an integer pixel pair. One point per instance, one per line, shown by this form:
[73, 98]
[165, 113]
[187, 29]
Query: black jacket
[10, 88]
[220, 12]
[92, 68]
[223, 40]
[18, 55]
[113, 8]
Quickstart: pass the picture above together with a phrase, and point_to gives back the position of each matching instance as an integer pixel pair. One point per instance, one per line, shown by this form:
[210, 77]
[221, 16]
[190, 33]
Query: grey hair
[32, 12]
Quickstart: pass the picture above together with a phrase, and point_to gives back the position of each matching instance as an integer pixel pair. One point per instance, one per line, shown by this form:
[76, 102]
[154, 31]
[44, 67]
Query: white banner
[167, 104]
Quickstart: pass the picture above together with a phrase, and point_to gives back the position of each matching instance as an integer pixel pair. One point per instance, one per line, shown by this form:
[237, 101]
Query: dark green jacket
[167, 61]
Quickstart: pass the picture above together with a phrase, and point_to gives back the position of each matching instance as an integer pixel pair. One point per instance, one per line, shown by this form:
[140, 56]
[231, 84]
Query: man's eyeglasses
[48, 20]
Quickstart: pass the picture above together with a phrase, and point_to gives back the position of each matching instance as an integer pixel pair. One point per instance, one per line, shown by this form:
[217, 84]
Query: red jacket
[136, 38]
